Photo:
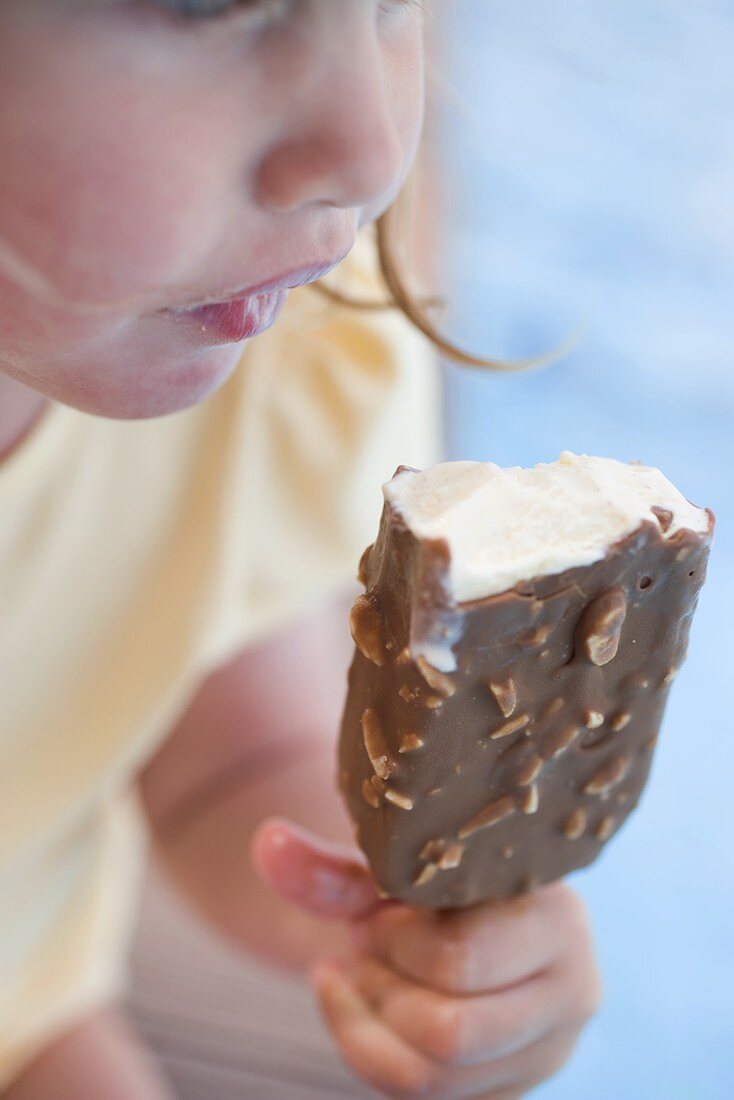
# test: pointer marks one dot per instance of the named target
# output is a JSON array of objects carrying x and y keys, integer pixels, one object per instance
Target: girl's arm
[
  {"x": 259, "y": 738},
  {"x": 98, "y": 1058}
]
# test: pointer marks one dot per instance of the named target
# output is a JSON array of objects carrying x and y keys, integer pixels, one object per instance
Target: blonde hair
[
  {"x": 416, "y": 309},
  {"x": 402, "y": 214}
]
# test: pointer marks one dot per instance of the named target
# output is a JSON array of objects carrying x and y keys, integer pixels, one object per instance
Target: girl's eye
[
  {"x": 212, "y": 7},
  {"x": 221, "y": 7}
]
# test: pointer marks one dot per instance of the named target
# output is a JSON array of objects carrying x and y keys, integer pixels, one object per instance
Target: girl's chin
[
  {"x": 160, "y": 387},
  {"x": 179, "y": 384}
]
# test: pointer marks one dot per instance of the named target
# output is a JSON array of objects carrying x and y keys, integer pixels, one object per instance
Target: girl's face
[{"x": 154, "y": 162}]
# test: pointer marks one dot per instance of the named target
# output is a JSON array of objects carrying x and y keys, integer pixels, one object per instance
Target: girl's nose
[{"x": 342, "y": 146}]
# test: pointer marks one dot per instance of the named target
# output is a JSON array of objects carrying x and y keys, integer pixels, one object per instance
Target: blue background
[{"x": 590, "y": 146}]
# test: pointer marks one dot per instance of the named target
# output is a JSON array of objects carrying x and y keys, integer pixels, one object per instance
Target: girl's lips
[
  {"x": 247, "y": 312},
  {"x": 233, "y": 321}
]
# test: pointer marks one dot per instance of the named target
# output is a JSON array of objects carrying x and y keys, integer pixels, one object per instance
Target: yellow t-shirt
[{"x": 135, "y": 556}]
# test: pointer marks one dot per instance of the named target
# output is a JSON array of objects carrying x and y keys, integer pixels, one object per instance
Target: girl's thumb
[{"x": 321, "y": 877}]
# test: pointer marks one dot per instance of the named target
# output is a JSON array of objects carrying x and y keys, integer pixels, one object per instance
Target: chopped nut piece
[
  {"x": 608, "y": 776},
  {"x": 410, "y": 742},
  {"x": 512, "y": 726},
  {"x": 366, "y": 626},
  {"x": 508, "y": 852},
  {"x": 553, "y": 707},
  {"x": 535, "y": 637},
  {"x": 398, "y": 799},
  {"x": 593, "y": 719},
  {"x": 363, "y": 564},
  {"x": 426, "y": 874},
  {"x": 374, "y": 743},
  {"x": 451, "y": 857},
  {"x": 620, "y": 721},
  {"x": 530, "y": 801},
  {"x": 370, "y": 794},
  {"x": 605, "y": 828},
  {"x": 403, "y": 657},
  {"x": 434, "y": 701},
  {"x": 683, "y": 553},
  {"x": 490, "y": 815},
  {"x": 506, "y": 695},
  {"x": 432, "y": 849},
  {"x": 529, "y": 771},
  {"x": 407, "y": 693},
  {"x": 600, "y": 627},
  {"x": 575, "y": 825},
  {"x": 434, "y": 790},
  {"x": 439, "y": 681},
  {"x": 559, "y": 741},
  {"x": 669, "y": 676},
  {"x": 457, "y": 769},
  {"x": 663, "y": 516}
]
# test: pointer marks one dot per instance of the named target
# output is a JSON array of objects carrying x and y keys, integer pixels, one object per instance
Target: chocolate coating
[{"x": 518, "y": 767}]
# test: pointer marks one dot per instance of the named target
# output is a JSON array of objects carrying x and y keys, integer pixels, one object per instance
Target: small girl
[{"x": 174, "y": 587}]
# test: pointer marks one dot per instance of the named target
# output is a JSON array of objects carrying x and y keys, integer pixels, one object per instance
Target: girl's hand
[{"x": 484, "y": 1002}]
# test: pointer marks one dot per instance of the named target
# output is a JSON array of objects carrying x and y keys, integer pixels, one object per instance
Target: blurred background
[
  {"x": 585, "y": 154},
  {"x": 589, "y": 148}
]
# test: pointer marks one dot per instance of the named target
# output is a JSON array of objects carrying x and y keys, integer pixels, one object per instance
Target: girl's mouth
[
  {"x": 233, "y": 321},
  {"x": 248, "y": 312}
]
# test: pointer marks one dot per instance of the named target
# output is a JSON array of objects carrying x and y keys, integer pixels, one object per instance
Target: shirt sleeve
[{"x": 65, "y": 924}]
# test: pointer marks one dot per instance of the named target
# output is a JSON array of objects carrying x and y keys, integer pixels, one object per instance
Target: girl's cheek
[
  {"x": 113, "y": 218},
  {"x": 109, "y": 186},
  {"x": 34, "y": 331}
]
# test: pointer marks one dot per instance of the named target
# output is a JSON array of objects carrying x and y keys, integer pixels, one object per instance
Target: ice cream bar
[{"x": 514, "y": 650}]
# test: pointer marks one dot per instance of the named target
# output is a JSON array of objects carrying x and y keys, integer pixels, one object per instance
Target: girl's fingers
[
  {"x": 465, "y": 1031},
  {"x": 388, "y": 1063},
  {"x": 381, "y": 1058},
  {"x": 367, "y": 1044},
  {"x": 520, "y": 1071},
  {"x": 461, "y": 1030},
  {"x": 320, "y": 877},
  {"x": 386, "y": 1058},
  {"x": 482, "y": 949},
  {"x": 511, "y": 1076}
]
